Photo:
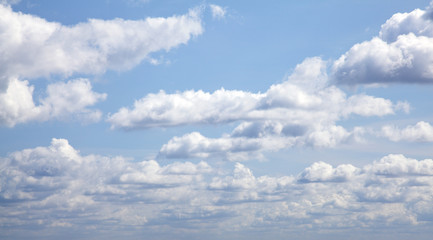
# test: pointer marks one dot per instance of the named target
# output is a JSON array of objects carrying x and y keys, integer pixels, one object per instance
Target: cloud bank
[{"x": 56, "y": 188}]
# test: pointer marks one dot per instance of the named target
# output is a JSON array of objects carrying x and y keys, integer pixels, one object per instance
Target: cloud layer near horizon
[{"x": 60, "y": 188}]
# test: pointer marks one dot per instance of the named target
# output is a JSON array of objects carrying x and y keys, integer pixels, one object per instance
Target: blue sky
[{"x": 218, "y": 120}]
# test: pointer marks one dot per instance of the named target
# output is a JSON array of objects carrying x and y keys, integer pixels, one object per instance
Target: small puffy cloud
[
  {"x": 72, "y": 97},
  {"x": 56, "y": 188},
  {"x": 416, "y": 22},
  {"x": 399, "y": 165},
  {"x": 402, "y": 53},
  {"x": 328, "y": 137},
  {"x": 32, "y": 47},
  {"x": 195, "y": 145},
  {"x": 152, "y": 174},
  {"x": 16, "y": 104},
  {"x": 323, "y": 172},
  {"x": 218, "y": 12},
  {"x": 62, "y": 101},
  {"x": 420, "y": 132},
  {"x": 365, "y": 105}
]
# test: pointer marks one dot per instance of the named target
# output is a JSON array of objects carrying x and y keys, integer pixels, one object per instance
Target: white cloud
[
  {"x": 63, "y": 101},
  {"x": 302, "y": 111},
  {"x": 190, "y": 107},
  {"x": 32, "y": 47},
  {"x": 420, "y": 132},
  {"x": 399, "y": 165},
  {"x": 250, "y": 140},
  {"x": 16, "y": 104},
  {"x": 323, "y": 172},
  {"x": 195, "y": 145},
  {"x": 218, "y": 12},
  {"x": 72, "y": 97},
  {"x": 303, "y": 99},
  {"x": 56, "y": 186},
  {"x": 401, "y": 53}
]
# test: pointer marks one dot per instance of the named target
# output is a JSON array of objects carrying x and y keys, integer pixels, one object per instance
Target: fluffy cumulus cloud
[
  {"x": 89, "y": 47},
  {"x": 190, "y": 107},
  {"x": 302, "y": 111},
  {"x": 403, "y": 53},
  {"x": 57, "y": 189},
  {"x": 31, "y": 47},
  {"x": 69, "y": 100},
  {"x": 420, "y": 132}
]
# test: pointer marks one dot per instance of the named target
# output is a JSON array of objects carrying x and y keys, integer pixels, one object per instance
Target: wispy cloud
[{"x": 218, "y": 12}]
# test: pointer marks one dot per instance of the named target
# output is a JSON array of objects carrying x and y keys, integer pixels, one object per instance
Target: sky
[{"x": 145, "y": 119}]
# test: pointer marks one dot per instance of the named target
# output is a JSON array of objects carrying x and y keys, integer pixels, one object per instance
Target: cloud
[
  {"x": 190, "y": 107},
  {"x": 399, "y": 165},
  {"x": 302, "y": 99},
  {"x": 247, "y": 144},
  {"x": 91, "y": 47},
  {"x": 195, "y": 145},
  {"x": 323, "y": 172},
  {"x": 56, "y": 189},
  {"x": 420, "y": 132},
  {"x": 301, "y": 111},
  {"x": 402, "y": 53},
  {"x": 63, "y": 101},
  {"x": 32, "y": 47},
  {"x": 218, "y": 12}
]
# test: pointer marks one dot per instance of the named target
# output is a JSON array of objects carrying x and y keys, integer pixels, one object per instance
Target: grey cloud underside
[{"x": 54, "y": 187}]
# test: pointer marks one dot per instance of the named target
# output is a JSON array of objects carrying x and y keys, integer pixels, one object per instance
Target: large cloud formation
[
  {"x": 90, "y": 47},
  {"x": 402, "y": 53},
  {"x": 302, "y": 111},
  {"x": 55, "y": 188},
  {"x": 31, "y": 47}
]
